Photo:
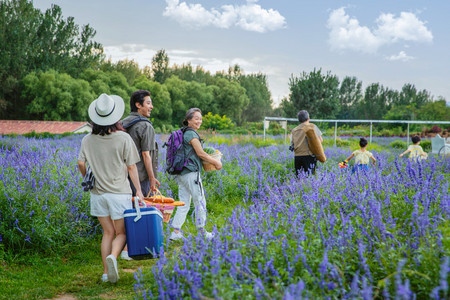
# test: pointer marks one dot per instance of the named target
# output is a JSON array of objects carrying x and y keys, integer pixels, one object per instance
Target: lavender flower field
[{"x": 336, "y": 235}]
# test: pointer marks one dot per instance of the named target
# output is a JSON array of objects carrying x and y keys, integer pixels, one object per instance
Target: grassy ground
[
  {"x": 77, "y": 274},
  {"x": 72, "y": 276}
]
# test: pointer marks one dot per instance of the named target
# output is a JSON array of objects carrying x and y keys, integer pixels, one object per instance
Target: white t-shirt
[{"x": 108, "y": 156}]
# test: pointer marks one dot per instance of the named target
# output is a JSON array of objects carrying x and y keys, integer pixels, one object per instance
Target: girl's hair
[
  {"x": 190, "y": 114},
  {"x": 415, "y": 139},
  {"x": 362, "y": 142},
  {"x": 102, "y": 130}
]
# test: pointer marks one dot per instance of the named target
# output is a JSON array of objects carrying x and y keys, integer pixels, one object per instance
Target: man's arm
[
  {"x": 149, "y": 168},
  {"x": 134, "y": 176}
]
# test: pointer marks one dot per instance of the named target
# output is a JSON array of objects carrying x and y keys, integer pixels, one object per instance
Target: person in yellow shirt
[
  {"x": 362, "y": 157},
  {"x": 415, "y": 151}
]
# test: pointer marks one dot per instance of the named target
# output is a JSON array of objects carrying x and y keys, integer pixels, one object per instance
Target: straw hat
[{"x": 106, "y": 109}]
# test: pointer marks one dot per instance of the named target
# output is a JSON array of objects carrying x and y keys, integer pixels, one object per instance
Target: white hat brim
[{"x": 113, "y": 118}]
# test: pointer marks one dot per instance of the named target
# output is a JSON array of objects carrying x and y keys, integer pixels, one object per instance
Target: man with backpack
[{"x": 142, "y": 132}]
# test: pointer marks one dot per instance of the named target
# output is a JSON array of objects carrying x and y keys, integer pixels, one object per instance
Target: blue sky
[{"x": 385, "y": 41}]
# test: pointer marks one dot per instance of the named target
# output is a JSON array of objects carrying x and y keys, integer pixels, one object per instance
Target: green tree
[
  {"x": 34, "y": 41},
  {"x": 111, "y": 82},
  {"x": 57, "y": 96},
  {"x": 231, "y": 99},
  {"x": 260, "y": 102},
  {"x": 160, "y": 66},
  {"x": 376, "y": 102},
  {"x": 350, "y": 94},
  {"x": 410, "y": 96},
  {"x": 186, "y": 94},
  {"x": 129, "y": 69},
  {"x": 315, "y": 92},
  {"x": 401, "y": 112},
  {"x": 434, "y": 111}
]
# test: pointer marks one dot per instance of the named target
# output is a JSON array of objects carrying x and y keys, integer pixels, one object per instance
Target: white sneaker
[
  {"x": 176, "y": 236},
  {"x": 124, "y": 255},
  {"x": 111, "y": 262},
  {"x": 105, "y": 278}
]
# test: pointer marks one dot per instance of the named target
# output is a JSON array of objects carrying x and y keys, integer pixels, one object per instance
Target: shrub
[
  {"x": 216, "y": 122},
  {"x": 435, "y": 129},
  {"x": 398, "y": 144},
  {"x": 426, "y": 145}
]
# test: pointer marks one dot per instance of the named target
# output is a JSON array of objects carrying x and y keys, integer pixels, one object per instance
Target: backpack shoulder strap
[{"x": 134, "y": 121}]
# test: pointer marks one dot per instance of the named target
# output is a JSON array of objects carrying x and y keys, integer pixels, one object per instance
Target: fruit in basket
[{"x": 209, "y": 150}]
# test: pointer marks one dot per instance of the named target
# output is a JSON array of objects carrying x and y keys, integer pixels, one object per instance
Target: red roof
[{"x": 21, "y": 127}]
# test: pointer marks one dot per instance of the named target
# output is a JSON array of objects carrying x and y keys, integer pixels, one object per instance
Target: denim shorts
[{"x": 109, "y": 204}]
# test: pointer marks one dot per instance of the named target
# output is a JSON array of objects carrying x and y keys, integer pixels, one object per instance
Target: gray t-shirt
[
  {"x": 143, "y": 135},
  {"x": 194, "y": 164},
  {"x": 108, "y": 156}
]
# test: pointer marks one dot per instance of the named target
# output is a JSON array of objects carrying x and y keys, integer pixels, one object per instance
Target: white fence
[{"x": 284, "y": 121}]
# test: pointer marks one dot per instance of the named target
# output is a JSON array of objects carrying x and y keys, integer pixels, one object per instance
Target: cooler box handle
[{"x": 138, "y": 209}]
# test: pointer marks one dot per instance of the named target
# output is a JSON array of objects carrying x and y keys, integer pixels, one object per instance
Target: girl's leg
[
  {"x": 185, "y": 196},
  {"x": 107, "y": 239},
  {"x": 119, "y": 242}
]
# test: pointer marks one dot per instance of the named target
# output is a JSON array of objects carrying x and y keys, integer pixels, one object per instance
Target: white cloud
[
  {"x": 137, "y": 52},
  {"x": 250, "y": 16},
  {"x": 407, "y": 27},
  {"x": 143, "y": 55},
  {"x": 402, "y": 56},
  {"x": 347, "y": 33}
]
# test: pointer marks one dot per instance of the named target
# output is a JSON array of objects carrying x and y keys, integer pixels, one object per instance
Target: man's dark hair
[
  {"x": 105, "y": 130},
  {"x": 138, "y": 97},
  {"x": 303, "y": 116},
  {"x": 362, "y": 142},
  {"x": 415, "y": 139}
]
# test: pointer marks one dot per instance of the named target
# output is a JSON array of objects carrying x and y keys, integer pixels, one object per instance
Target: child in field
[
  {"x": 415, "y": 151},
  {"x": 362, "y": 157}
]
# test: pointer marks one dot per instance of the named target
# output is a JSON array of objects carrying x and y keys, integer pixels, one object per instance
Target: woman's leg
[
  {"x": 107, "y": 239},
  {"x": 185, "y": 196},
  {"x": 198, "y": 197}
]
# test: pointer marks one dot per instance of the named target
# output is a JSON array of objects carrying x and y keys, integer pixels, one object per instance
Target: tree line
[
  {"x": 51, "y": 69},
  {"x": 325, "y": 97}
]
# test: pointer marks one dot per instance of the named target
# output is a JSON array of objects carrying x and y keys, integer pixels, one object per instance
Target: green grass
[{"x": 76, "y": 274}]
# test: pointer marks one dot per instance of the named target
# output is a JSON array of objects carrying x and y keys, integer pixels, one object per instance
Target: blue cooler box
[{"x": 144, "y": 229}]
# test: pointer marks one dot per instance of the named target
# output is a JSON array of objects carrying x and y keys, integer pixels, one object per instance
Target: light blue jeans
[{"x": 190, "y": 187}]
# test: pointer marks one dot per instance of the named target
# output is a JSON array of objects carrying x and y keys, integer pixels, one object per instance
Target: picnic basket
[
  {"x": 160, "y": 202},
  {"x": 210, "y": 167}
]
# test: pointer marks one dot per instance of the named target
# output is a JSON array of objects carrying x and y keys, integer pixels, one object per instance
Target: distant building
[{"x": 56, "y": 127}]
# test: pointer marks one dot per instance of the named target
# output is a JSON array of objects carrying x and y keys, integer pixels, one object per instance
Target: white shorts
[{"x": 109, "y": 204}]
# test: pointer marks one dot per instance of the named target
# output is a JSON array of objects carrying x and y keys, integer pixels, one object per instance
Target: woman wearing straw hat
[
  {"x": 112, "y": 156},
  {"x": 189, "y": 181}
]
